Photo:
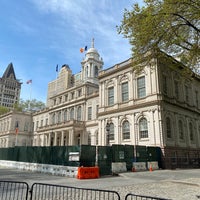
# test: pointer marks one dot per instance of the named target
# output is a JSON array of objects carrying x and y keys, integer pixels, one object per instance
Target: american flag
[{"x": 29, "y": 81}]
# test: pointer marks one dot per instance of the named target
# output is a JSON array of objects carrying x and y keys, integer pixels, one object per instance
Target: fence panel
[
  {"x": 141, "y": 197},
  {"x": 40, "y": 191},
  {"x": 11, "y": 190}
]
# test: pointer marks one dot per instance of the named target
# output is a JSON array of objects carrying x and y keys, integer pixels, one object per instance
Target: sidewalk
[{"x": 171, "y": 184}]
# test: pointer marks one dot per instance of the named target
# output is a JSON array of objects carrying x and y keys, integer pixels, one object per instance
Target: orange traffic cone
[
  {"x": 133, "y": 169},
  {"x": 150, "y": 168}
]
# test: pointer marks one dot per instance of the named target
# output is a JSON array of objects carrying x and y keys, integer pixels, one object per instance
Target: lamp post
[{"x": 107, "y": 133}]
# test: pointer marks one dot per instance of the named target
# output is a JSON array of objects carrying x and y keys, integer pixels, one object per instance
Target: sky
[{"x": 38, "y": 35}]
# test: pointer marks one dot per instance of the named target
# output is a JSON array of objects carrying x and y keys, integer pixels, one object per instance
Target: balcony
[{"x": 59, "y": 125}]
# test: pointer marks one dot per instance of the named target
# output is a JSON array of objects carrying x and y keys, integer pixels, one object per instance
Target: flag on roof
[
  {"x": 29, "y": 81},
  {"x": 57, "y": 68},
  {"x": 82, "y": 49}
]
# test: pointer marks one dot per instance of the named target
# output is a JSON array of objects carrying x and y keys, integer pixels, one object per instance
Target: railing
[
  {"x": 10, "y": 190},
  {"x": 141, "y": 197},
  {"x": 40, "y": 191}
]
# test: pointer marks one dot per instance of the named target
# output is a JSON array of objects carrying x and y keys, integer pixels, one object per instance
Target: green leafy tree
[
  {"x": 33, "y": 105},
  {"x": 3, "y": 110},
  {"x": 172, "y": 26}
]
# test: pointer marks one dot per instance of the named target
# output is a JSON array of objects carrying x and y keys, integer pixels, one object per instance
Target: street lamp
[{"x": 107, "y": 130}]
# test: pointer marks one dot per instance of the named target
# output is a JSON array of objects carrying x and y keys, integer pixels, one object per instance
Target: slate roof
[{"x": 9, "y": 71}]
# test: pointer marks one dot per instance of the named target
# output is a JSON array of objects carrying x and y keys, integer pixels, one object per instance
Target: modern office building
[{"x": 10, "y": 88}]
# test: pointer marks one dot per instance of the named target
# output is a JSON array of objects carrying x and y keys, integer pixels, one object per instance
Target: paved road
[{"x": 172, "y": 184}]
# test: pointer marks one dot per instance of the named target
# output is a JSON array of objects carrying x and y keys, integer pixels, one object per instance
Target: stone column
[
  {"x": 49, "y": 139},
  {"x": 55, "y": 139},
  {"x": 71, "y": 137},
  {"x": 62, "y": 138}
]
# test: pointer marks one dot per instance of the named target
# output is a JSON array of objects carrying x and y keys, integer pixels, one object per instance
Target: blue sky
[{"x": 36, "y": 35}]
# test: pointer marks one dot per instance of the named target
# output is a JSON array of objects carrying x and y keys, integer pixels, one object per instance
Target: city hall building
[{"x": 156, "y": 107}]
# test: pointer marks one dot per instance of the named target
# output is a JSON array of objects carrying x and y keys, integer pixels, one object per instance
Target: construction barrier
[
  {"x": 139, "y": 166},
  {"x": 118, "y": 167},
  {"x": 88, "y": 172},
  {"x": 152, "y": 165}
]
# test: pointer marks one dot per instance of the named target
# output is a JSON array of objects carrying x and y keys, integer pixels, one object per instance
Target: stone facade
[
  {"x": 15, "y": 129},
  {"x": 72, "y": 106},
  {"x": 158, "y": 106}
]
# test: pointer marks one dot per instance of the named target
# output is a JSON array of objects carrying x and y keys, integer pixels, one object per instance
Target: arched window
[
  {"x": 65, "y": 115},
  {"x": 143, "y": 128},
  {"x": 168, "y": 128},
  {"x": 125, "y": 130},
  {"x": 72, "y": 113},
  {"x": 180, "y": 129},
  {"x": 111, "y": 132},
  {"x": 79, "y": 113},
  {"x": 191, "y": 132}
]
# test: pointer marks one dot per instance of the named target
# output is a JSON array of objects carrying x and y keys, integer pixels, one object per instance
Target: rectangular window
[
  {"x": 46, "y": 122},
  {"x": 176, "y": 89},
  {"x": 89, "y": 113},
  {"x": 186, "y": 94},
  {"x": 79, "y": 93},
  {"x": 111, "y": 96},
  {"x": 141, "y": 89},
  {"x": 41, "y": 123},
  {"x": 164, "y": 84},
  {"x": 197, "y": 99},
  {"x": 124, "y": 91},
  {"x": 72, "y": 95}
]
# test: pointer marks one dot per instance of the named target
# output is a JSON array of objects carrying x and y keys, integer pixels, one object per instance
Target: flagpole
[
  {"x": 30, "y": 96},
  {"x": 56, "y": 79}
]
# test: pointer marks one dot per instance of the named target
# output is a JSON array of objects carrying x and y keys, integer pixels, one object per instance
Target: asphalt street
[{"x": 173, "y": 184}]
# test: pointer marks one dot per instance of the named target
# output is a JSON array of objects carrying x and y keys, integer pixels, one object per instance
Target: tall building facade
[{"x": 10, "y": 88}]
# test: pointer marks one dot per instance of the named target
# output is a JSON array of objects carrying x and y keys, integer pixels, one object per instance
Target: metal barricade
[
  {"x": 40, "y": 191},
  {"x": 12, "y": 190},
  {"x": 141, "y": 197}
]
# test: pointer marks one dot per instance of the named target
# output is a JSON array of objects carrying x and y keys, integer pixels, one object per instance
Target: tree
[
  {"x": 172, "y": 26},
  {"x": 3, "y": 110},
  {"x": 33, "y": 105}
]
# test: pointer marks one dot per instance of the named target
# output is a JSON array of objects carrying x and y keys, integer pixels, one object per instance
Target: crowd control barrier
[
  {"x": 12, "y": 190},
  {"x": 142, "y": 197},
  {"x": 88, "y": 172}
]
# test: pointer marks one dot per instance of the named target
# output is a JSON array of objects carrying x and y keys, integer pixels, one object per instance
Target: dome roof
[{"x": 92, "y": 49}]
